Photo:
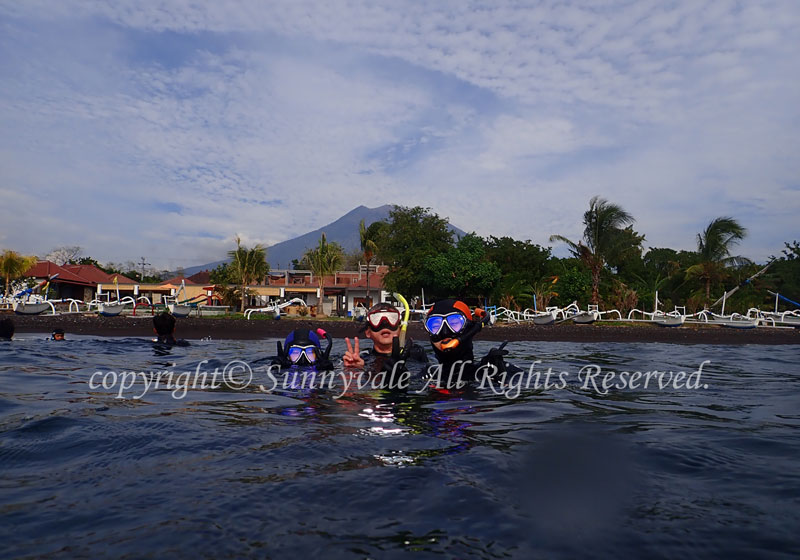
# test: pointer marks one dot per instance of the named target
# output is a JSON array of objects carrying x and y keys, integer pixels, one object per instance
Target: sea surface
[{"x": 228, "y": 470}]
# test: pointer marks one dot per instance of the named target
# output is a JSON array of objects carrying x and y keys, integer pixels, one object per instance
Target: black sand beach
[{"x": 234, "y": 328}]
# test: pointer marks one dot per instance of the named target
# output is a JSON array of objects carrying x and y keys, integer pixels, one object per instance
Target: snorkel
[
  {"x": 404, "y": 324},
  {"x": 327, "y": 352}
]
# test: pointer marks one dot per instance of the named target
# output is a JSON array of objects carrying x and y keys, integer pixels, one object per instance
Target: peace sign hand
[{"x": 352, "y": 358}]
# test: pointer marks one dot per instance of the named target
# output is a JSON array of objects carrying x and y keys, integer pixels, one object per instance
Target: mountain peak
[{"x": 343, "y": 230}]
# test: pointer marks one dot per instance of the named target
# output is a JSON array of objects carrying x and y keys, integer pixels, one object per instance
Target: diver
[
  {"x": 164, "y": 327},
  {"x": 382, "y": 324},
  {"x": 451, "y": 326},
  {"x": 6, "y": 329},
  {"x": 303, "y": 348},
  {"x": 58, "y": 334}
]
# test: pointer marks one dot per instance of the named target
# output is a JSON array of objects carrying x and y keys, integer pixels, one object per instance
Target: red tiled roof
[
  {"x": 202, "y": 277},
  {"x": 97, "y": 276},
  {"x": 45, "y": 269}
]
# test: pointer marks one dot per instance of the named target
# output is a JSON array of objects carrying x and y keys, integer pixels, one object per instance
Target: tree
[
  {"x": 89, "y": 261},
  {"x": 14, "y": 265},
  {"x": 324, "y": 260},
  {"x": 462, "y": 271},
  {"x": 369, "y": 247},
  {"x": 785, "y": 276},
  {"x": 68, "y": 254},
  {"x": 603, "y": 238},
  {"x": 713, "y": 248},
  {"x": 248, "y": 266},
  {"x": 411, "y": 236},
  {"x": 523, "y": 265},
  {"x": 222, "y": 274}
]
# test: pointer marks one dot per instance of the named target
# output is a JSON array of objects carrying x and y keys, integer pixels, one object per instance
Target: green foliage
[
  {"x": 518, "y": 258},
  {"x": 604, "y": 239},
  {"x": 352, "y": 259},
  {"x": 462, "y": 271},
  {"x": 369, "y": 237},
  {"x": 89, "y": 261},
  {"x": 324, "y": 260},
  {"x": 524, "y": 269},
  {"x": 248, "y": 266},
  {"x": 575, "y": 284},
  {"x": 409, "y": 238},
  {"x": 222, "y": 274},
  {"x": 784, "y": 279},
  {"x": 713, "y": 247},
  {"x": 13, "y": 265}
]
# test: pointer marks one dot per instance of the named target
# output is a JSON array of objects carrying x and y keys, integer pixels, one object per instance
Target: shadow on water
[{"x": 558, "y": 472}]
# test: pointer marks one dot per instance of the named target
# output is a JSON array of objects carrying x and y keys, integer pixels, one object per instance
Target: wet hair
[
  {"x": 6, "y": 329},
  {"x": 164, "y": 323},
  {"x": 58, "y": 332}
]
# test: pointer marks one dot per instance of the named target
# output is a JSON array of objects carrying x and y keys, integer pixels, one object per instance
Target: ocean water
[{"x": 224, "y": 469}]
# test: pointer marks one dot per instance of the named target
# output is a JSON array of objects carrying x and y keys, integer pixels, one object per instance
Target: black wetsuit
[
  {"x": 170, "y": 341},
  {"x": 413, "y": 357}
]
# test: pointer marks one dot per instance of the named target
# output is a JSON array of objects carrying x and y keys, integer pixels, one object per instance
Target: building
[
  {"x": 81, "y": 282},
  {"x": 344, "y": 291}
]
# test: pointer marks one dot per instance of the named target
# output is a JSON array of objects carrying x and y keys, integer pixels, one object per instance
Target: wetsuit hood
[{"x": 454, "y": 345}]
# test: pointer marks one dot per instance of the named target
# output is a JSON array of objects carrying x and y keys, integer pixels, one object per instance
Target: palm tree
[
  {"x": 248, "y": 266},
  {"x": 323, "y": 260},
  {"x": 369, "y": 247},
  {"x": 602, "y": 236},
  {"x": 713, "y": 247},
  {"x": 13, "y": 266}
]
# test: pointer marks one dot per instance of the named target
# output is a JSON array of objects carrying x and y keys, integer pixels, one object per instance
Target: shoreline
[{"x": 194, "y": 328}]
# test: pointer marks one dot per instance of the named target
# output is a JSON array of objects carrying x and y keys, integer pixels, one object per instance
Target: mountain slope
[{"x": 343, "y": 231}]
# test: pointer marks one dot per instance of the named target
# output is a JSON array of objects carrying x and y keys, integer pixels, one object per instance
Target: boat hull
[
  {"x": 547, "y": 319},
  {"x": 670, "y": 321},
  {"x": 24, "y": 308},
  {"x": 180, "y": 310},
  {"x": 110, "y": 310},
  {"x": 738, "y": 324},
  {"x": 584, "y": 318}
]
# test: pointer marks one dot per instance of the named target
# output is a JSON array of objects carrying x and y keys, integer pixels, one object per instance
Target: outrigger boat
[
  {"x": 545, "y": 317},
  {"x": 183, "y": 307},
  {"x": 38, "y": 305},
  {"x": 586, "y": 317},
  {"x": 31, "y": 307}
]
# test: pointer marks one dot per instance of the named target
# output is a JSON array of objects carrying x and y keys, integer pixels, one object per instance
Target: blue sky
[{"x": 164, "y": 129}]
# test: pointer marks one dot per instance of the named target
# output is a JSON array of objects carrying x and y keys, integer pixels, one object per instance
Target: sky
[{"x": 164, "y": 129}]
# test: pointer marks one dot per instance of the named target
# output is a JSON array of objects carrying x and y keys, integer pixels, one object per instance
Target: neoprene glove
[{"x": 495, "y": 357}]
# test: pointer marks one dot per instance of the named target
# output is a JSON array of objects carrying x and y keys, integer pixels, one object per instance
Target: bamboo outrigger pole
[{"x": 729, "y": 293}]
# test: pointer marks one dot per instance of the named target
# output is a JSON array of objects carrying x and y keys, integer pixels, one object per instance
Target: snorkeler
[
  {"x": 6, "y": 329},
  {"x": 164, "y": 327},
  {"x": 382, "y": 327},
  {"x": 451, "y": 326},
  {"x": 302, "y": 348}
]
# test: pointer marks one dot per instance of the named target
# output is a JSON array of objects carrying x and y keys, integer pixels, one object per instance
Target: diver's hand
[
  {"x": 352, "y": 358},
  {"x": 496, "y": 356}
]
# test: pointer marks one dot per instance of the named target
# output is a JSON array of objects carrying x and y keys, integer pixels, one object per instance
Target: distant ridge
[{"x": 343, "y": 231}]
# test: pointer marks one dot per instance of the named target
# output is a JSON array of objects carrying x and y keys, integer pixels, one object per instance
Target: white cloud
[{"x": 273, "y": 119}]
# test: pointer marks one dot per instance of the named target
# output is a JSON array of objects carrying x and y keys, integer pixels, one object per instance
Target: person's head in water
[
  {"x": 6, "y": 329},
  {"x": 302, "y": 347},
  {"x": 382, "y": 325},
  {"x": 451, "y": 325},
  {"x": 164, "y": 326},
  {"x": 58, "y": 334}
]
